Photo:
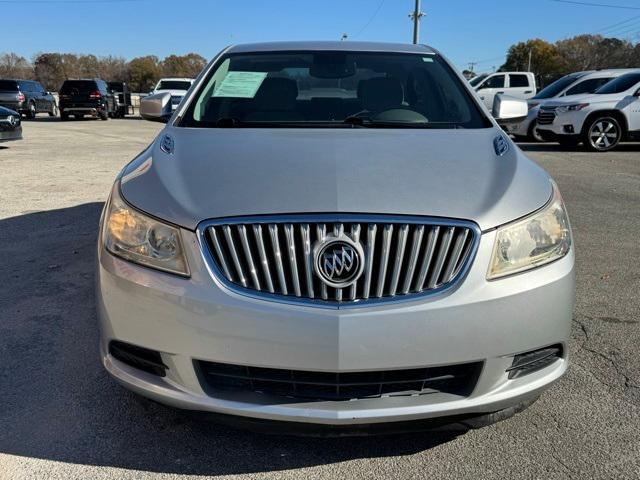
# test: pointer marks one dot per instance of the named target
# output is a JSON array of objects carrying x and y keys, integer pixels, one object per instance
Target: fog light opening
[
  {"x": 529, "y": 362},
  {"x": 141, "y": 358}
]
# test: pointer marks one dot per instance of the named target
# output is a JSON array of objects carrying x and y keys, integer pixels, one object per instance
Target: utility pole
[
  {"x": 416, "y": 16},
  {"x": 472, "y": 66},
  {"x": 529, "y": 67}
]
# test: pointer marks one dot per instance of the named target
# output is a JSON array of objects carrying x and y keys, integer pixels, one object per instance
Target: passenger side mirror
[
  {"x": 156, "y": 108},
  {"x": 508, "y": 110}
]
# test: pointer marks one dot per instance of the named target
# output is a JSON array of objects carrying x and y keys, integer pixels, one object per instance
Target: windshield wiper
[{"x": 364, "y": 121}]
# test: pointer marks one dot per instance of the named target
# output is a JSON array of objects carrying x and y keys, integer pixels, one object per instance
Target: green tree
[
  {"x": 144, "y": 72},
  {"x": 188, "y": 65},
  {"x": 546, "y": 61}
]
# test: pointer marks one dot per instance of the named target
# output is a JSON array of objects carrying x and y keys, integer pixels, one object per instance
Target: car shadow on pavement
[{"x": 57, "y": 402}]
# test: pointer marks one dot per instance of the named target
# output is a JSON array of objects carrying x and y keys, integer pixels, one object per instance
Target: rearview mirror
[
  {"x": 156, "y": 108},
  {"x": 508, "y": 110}
]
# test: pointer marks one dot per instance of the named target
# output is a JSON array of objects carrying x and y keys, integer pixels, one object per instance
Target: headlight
[
  {"x": 536, "y": 240},
  {"x": 134, "y": 236},
  {"x": 571, "y": 108}
]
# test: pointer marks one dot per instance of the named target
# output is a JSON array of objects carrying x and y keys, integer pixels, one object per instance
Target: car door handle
[
  {"x": 497, "y": 93},
  {"x": 528, "y": 91}
]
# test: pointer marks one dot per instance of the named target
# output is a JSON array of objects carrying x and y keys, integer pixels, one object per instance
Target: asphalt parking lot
[{"x": 62, "y": 417}]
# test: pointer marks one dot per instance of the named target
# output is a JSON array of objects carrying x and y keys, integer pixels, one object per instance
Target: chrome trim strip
[
  {"x": 273, "y": 230},
  {"x": 305, "y": 232},
  {"x": 291, "y": 252},
  {"x": 433, "y": 222},
  {"x": 432, "y": 238},
  {"x": 387, "y": 234},
  {"x": 413, "y": 258},
  {"x": 442, "y": 255},
  {"x": 218, "y": 248},
  {"x": 397, "y": 263},
  {"x": 242, "y": 230},
  {"x": 321, "y": 230},
  {"x": 257, "y": 233},
  {"x": 234, "y": 254},
  {"x": 355, "y": 236},
  {"x": 455, "y": 256},
  {"x": 371, "y": 247}
]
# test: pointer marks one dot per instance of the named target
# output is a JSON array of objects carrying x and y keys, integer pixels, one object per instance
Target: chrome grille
[
  {"x": 546, "y": 115},
  {"x": 403, "y": 256}
]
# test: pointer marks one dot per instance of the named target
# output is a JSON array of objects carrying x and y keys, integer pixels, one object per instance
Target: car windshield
[
  {"x": 620, "y": 84},
  {"x": 8, "y": 85},
  {"x": 320, "y": 89},
  {"x": 558, "y": 86},
  {"x": 78, "y": 86},
  {"x": 173, "y": 85},
  {"x": 475, "y": 81}
]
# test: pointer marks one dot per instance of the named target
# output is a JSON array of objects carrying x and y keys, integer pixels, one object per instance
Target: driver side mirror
[
  {"x": 508, "y": 110},
  {"x": 156, "y": 108}
]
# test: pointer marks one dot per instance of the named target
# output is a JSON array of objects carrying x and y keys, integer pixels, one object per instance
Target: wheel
[
  {"x": 31, "y": 113},
  {"x": 533, "y": 133},
  {"x": 104, "y": 114},
  {"x": 569, "y": 142},
  {"x": 54, "y": 110},
  {"x": 78, "y": 116},
  {"x": 602, "y": 134}
]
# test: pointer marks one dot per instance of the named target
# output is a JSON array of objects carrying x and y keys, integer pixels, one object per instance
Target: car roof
[{"x": 347, "y": 46}]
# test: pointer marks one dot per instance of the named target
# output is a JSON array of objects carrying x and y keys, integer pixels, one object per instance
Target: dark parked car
[
  {"x": 86, "y": 97},
  {"x": 27, "y": 97},
  {"x": 122, "y": 95},
  {"x": 10, "y": 128}
]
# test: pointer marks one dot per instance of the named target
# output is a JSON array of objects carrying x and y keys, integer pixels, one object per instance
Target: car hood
[
  {"x": 6, "y": 112},
  {"x": 175, "y": 93},
  {"x": 214, "y": 173},
  {"x": 586, "y": 98}
]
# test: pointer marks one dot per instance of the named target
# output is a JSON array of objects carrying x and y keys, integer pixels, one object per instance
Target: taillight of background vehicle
[
  {"x": 21, "y": 97},
  {"x": 95, "y": 94}
]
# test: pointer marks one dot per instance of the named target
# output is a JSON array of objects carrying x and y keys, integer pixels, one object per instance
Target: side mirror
[
  {"x": 156, "y": 108},
  {"x": 508, "y": 110}
]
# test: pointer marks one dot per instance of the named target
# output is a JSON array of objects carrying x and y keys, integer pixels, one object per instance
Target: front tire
[
  {"x": 533, "y": 134},
  {"x": 104, "y": 114},
  {"x": 54, "y": 110},
  {"x": 602, "y": 134},
  {"x": 31, "y": 112}
]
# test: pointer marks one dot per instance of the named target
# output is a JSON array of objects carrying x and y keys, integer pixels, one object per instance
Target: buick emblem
[{"x": 338, "y": 261}]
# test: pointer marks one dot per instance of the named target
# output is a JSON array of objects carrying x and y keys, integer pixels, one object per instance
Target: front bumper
[
  {"x": 199, "y": 319},
  {"x": 564, "y": 124},
  {"x": 13, "y": 134},
  {"x": 522, "y": 129}
]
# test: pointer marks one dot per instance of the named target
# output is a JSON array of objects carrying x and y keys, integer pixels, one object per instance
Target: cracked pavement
[{"x": 61, "y": 417}]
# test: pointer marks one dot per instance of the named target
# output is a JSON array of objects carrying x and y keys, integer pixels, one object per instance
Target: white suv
[
  {"x": 514, "y": 84},
  {"x": 578, "y": 83},
  {"x": 600, "y": 121}
]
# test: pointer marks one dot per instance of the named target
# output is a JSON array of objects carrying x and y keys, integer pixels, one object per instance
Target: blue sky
[{"x": 464, "y": 30}]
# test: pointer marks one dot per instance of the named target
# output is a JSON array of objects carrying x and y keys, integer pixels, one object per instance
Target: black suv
[
  {"x": 27, "y": 97},
  {"x": 86, "y": 97}
]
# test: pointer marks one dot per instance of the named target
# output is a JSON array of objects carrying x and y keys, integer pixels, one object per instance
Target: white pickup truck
[{"x": 514, "y": 84}]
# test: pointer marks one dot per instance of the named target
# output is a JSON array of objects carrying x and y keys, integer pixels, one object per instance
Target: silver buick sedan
[{"x": 335, "y": 235}]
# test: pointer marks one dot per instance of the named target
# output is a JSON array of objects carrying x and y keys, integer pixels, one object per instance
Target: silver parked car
[{"x": 335, "y": 233}]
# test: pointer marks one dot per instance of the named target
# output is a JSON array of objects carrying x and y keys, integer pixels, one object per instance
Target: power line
[
  {"x": 375, "y": 14},
  {"x": 610, "y": 27},
  {"x": 589, "y": 4}
]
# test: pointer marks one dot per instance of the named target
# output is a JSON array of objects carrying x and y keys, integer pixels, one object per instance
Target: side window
[
  {"x": 588, "y": 86},
  {"x": 496, "y": 81},
  {"x": 102, "y": 86},
  {"x": 518, "y": 81}
]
